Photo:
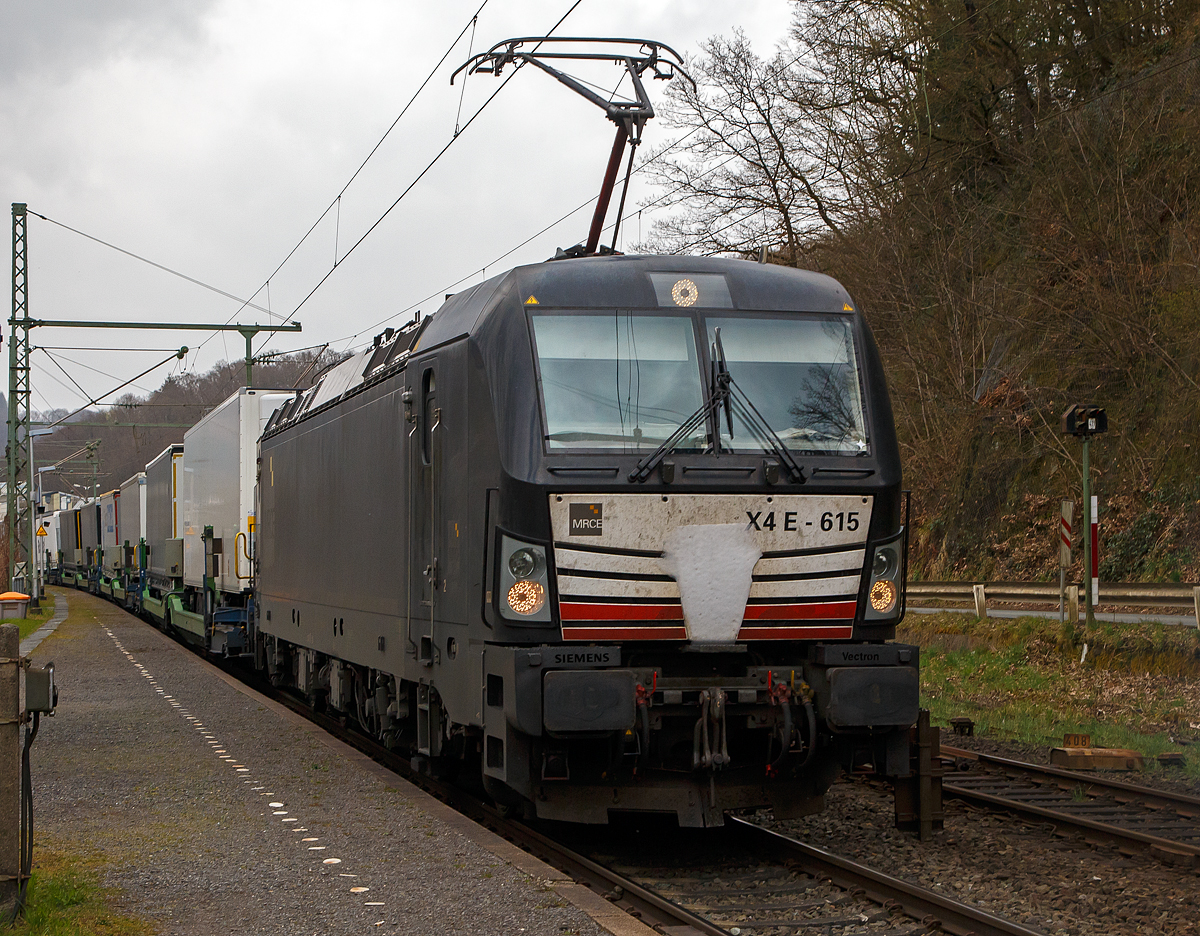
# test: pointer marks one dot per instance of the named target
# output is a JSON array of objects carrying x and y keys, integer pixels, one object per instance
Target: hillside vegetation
[{"x": 1011, "y": 189}]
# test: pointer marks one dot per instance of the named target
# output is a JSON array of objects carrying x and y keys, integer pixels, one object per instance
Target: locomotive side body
[
  {"x": 490, "y": 542},
  {"x": 353, "y": 505}
]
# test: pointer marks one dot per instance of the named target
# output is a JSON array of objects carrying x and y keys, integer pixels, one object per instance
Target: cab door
[{"x": 425, "y": 464}]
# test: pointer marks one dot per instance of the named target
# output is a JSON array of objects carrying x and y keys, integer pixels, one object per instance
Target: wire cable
[
  {"x": 114, "y": 390},
  {"x": 89, "y": 348},
  {"x": 512, "y": 74},
  {"x": 165, "y": 269},
  {"x": 97, "y": 370},
  {"x": 538, "y": 234},
  {"x": 54, "y": 360},
  {"x": 337, "y": 198}
]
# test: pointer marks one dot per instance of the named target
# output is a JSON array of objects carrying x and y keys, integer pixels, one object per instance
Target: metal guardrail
[{"x": 1139, "y": 596}]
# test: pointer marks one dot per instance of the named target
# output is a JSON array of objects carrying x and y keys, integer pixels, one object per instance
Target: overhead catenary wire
[
  {"x": 54, "y": 360},
  {"x": 654, "y": 157},
  {"x": 354, "y": 175},
  {"x": 66, "y": 387},
  {"x": 419, "y": 176},
  {"x": 122, "y": 386},
  {"x": 175, "y": 353},
  {"x": 153, "y": 263},
  {"x": 553, "y": 224},
  {"x": 90, "y": 348},
  {"x": 471, "y": 25}
]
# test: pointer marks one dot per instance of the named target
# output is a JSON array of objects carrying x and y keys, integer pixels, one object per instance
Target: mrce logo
[{"x": 587, "y": 519}]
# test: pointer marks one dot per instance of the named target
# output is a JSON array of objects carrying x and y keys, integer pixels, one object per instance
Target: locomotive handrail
[{"x": 237, "y": 555}]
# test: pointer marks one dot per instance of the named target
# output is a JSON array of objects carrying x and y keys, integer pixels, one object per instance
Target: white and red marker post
[
  {"x": 1064, "y": 553},
  {"x": 1085, "y": 421}
]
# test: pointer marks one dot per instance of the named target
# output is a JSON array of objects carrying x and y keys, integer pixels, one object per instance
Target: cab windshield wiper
[
  {"x": 723, "y": 394},
  {"x": 647, "y": 465}
]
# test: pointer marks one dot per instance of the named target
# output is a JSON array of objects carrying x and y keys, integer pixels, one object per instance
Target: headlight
[
  {"x": 883, "y": 596},
  {"x": 526, "y": 597},
  {"x": 524, "y": 563},
  {"x": 523, "y": 581},
  {"x": 884, "y": 593}
]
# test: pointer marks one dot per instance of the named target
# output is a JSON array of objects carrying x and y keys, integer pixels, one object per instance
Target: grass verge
[
  {"x": 1027, "y": 680},
  {"x": 36, "y": 619},
  {"x": 65, "y": 900}
]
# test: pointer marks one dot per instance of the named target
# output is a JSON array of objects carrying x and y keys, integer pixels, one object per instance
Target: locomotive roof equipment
[{"x": 630, "y": 116}]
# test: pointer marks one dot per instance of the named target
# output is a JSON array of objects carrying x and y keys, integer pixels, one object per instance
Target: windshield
[
  {"x": 617, "y": 381},
  {"x": 801, "y": 376}
]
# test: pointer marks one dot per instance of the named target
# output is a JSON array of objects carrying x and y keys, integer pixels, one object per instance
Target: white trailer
[
  {"x": 216, "y": 488},
  {"x": 48, "y": 545},
  {"x": 110, "y": 533},
  {"x": 133, "y": 516}
]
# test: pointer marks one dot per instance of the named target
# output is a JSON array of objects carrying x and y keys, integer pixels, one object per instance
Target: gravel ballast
[
  {"x": 212, "y": 813},
  {"x": 1011, "y": 868}
]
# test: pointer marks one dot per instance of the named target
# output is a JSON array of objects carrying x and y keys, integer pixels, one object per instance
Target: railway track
[
  {"x": 743, "y": 881},
  {"x": 1105, "y": 812},
  {"x": 750, "y": 880}
]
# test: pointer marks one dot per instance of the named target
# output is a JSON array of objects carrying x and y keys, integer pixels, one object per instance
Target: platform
[{"x": 212, "y": 809}]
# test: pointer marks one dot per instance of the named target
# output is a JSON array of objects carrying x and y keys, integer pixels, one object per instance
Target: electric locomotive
[{"x": 618, "y": 533}]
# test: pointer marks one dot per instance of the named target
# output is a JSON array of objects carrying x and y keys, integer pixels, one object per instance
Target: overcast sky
[{"x": 209, "y": 135}]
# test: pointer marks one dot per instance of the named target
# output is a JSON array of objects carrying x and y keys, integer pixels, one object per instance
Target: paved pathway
[{"x": 29, "y": 644}]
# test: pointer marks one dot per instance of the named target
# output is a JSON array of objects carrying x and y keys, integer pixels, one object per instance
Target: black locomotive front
[{"x": 638, "y": 524}]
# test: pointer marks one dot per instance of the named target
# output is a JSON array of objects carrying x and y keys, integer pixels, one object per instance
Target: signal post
[{"x": 1085, "y": 421}]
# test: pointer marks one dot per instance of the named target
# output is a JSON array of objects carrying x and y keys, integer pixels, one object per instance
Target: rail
[
  {"x": 643, "y": 901},
  {"x": 1140, "y": 596},
  {"x": 920, "y": 903},
  {"x": 1103, "y": 810}
]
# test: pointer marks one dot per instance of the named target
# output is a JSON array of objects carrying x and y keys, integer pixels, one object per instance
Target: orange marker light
[{"x": 526, "y": 597}]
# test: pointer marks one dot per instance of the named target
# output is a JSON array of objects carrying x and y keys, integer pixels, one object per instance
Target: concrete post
[
  {"x": 1073, "y": 604},
  {"x": 1196, "y": 603},
  {"x": 10, "y": 768}
]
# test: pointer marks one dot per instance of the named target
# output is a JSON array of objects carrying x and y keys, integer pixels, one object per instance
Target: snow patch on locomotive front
[{"x": 713, "y": 564}]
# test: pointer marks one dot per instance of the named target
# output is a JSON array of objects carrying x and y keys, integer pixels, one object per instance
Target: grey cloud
[{"x": 64, "y": 36}]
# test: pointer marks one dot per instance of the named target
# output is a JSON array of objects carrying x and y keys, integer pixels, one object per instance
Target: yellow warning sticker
[
  {"x": 532, "y": 300},
  {"x": 846, "y": 307},
  {"x": 42, "y": 531}
]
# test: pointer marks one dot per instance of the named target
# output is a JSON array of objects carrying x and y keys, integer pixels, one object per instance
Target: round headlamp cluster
[
  {"x": 524, "y": 563},
  {"x": 524, "y": 584},
  {"x": 883, "y": 596},
  {"x": 527, "y": 597}
]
